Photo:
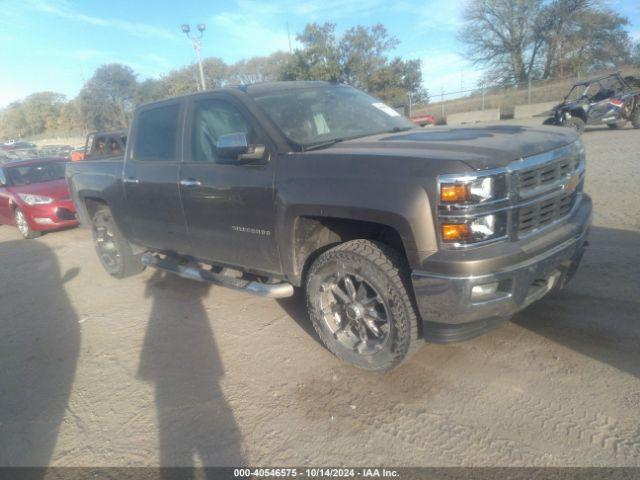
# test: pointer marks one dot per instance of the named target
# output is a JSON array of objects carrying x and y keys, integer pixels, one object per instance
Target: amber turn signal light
[
  {"x": 456, "y": 232},
  {"x": 455, "y": 193}
]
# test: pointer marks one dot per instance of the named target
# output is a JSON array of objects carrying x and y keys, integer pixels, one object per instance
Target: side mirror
[
  {"x": 232, "y": 145},
  {"x": 235, "y": 147}
]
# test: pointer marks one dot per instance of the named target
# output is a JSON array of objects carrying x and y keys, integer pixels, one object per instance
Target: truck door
[
  {"x": 229, "y": 206},
  {"x": 150, "y": 178}
]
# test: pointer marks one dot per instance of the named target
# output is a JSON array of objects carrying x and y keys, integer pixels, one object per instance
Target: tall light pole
[{"x": 197, "y": 45}]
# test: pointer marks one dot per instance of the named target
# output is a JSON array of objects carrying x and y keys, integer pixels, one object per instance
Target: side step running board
[{"x": 271, "y": 290}]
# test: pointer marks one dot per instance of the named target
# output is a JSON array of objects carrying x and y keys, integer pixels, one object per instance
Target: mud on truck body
[{"x": 394, "y": 233}]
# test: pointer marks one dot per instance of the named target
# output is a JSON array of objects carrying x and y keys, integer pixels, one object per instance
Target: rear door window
[{"x": 157, "y": 133}]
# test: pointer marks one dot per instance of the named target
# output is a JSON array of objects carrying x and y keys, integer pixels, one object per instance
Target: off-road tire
[
  {"x": 635, "y": 117},
  {"x": 126, "y": 263},
  {"x": 387, "y": 271},
  {"x": 26, "y": 231},
  {"x": 576, "y": 123}
]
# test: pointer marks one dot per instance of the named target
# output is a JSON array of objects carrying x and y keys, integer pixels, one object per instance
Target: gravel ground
[{"x": 159, "y": 370}]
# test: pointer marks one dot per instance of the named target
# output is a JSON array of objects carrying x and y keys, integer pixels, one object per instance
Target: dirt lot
[{"x": 155, "y": 369}]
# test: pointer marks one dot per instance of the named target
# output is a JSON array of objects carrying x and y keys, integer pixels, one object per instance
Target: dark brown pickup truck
[{"x": 395, "y": 233}]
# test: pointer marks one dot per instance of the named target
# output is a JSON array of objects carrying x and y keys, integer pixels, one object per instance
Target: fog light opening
[{"x": 484, "y": 291}]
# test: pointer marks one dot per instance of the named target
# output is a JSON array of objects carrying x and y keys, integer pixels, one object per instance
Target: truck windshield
[
  {"x": 36, "y": 173},
  {"x": 322, "y": 115}
]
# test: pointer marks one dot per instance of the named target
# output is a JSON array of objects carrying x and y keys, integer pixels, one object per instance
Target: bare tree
[
  {"x": 501, "y": 35},
  {"x": 554, "y": 21},
  {"x": 517, "y": 40}
]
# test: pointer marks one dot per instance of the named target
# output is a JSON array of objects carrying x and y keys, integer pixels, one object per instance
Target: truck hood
[{"x": 482, "y": 148}]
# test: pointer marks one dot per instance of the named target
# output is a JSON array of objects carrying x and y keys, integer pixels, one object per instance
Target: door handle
[
  {"x": 190, "y": 182},
  {"x": 130, "y": 180}
]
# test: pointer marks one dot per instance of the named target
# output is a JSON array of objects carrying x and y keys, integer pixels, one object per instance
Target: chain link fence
[{"x": 503, "y": 98}]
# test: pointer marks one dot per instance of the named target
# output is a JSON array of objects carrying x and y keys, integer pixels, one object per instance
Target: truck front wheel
[
  {"x": 359, "y": 303},
  {"x": 114, "y": 251}
]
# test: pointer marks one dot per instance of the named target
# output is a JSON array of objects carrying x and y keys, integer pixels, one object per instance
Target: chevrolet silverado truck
[{"x": 396, "y": 234}]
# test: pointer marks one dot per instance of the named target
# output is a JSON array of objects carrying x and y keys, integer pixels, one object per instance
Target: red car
[
  {"x": 424, "y": 120},
  {"x": 34, "y": 196}
]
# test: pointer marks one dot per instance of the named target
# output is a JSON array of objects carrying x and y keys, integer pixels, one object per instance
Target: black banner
[{"x": 413, "y": 473}]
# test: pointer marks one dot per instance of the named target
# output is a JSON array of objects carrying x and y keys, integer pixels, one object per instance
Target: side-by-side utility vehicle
[
  {"x": 608, "y": 100},
  {"x": 395, "y": 233}
]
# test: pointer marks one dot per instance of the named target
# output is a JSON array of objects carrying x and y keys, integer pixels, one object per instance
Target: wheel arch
[
  {"x": 579, "y": 113},
  {"x": 92, "y": 204},
  {"x": 313, "y": 235}
]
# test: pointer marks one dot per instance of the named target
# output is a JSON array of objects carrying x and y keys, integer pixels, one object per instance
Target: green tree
[
  {"x": 70, "y": 119},
  {"x": 41, "y": 111},
  {"x": 393, "y": 82},
  {"x": 360, "y": 58},
  {"x": 363, "y": 51},
  {"x": 186, "y": 79},
  {"x": 319, "y": 58},
  {"x": 258, "y": 69},
  {"x": 151, "y": 90},
  {"x": 108, "y": 98},
  {"x": 13, "y": 123}
]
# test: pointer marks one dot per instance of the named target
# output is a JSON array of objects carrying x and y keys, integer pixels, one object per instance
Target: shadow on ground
[
  {"x": 296, "y": 308},
  {"x": 598, "y": 313},
  {"x": 180, "y": 358},
  {"x": 39, "y": 348}
]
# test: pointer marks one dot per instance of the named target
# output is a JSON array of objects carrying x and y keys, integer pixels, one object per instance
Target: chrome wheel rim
[
  {"x": 21, "y": 223},
  {"x": 355, "y": 313},
  {"x": 106, "y": 246}
]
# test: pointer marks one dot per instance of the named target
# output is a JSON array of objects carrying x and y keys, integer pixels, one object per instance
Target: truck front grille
[
  {"x": 545, "y": 175},
  {"x": 540, "y": 214}
]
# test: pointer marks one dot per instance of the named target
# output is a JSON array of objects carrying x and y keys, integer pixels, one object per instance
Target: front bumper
[
  {"x": 450, "y": 310},
  {"x": 58, "y": 214}
]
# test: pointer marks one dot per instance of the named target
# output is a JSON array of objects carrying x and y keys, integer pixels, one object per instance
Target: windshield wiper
[{"x": 317, "y": 146}]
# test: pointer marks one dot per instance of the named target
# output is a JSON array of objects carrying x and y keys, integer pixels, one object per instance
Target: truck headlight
[
  {"x": 31, "y": 199},
  {"x": 478, "y": 229},
  {"x": 472, "y": 190}
]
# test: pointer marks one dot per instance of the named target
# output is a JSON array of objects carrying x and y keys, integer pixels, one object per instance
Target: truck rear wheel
[
  {"x": 359, "y": 303},
  {"x": 114, "y": 251}
]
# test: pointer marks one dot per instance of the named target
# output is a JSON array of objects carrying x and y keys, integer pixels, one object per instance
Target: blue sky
[{"x": 52, "y": 44}]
